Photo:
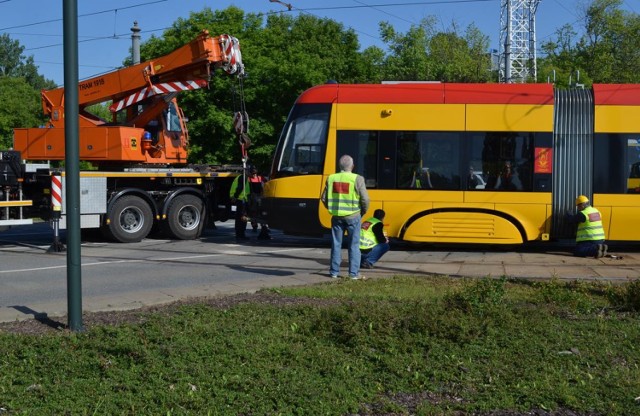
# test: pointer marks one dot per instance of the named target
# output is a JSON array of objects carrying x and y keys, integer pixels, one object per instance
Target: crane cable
[{"x": 241, "y": 118}]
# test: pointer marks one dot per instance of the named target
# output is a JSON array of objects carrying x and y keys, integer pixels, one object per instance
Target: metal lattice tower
[{"x": 517, "y": 58}]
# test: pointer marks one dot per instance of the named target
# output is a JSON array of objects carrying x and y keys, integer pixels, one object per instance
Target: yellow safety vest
[
  {"x": 367, "y": 236},
  {"x": 243, "y": 196},
  {"x": 342, "y": 199},
  {"x": 591, "y": 229}
]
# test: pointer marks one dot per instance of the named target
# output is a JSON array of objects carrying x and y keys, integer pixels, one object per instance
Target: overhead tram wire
[
  {"x": 629, "y": 6},
  {"x": 92, "y": 39},
  {"x": 320, "y": 17},
  {"x": 124, "y": 36},
  {"x": 307, "y": 10},
  {"x": 414, "y": 3},
  {"x": 375, "y": 6},
  {"x": 383, "y": 12},
  {"x": 83, "y": 15}
]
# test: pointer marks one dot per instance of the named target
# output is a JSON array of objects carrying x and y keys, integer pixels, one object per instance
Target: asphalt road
[
  {"x": 123, "y": 276},
  {"x": 118, "y": 276}
]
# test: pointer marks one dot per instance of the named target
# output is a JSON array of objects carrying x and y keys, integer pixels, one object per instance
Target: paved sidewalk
[{"x": 529, "y": 265}]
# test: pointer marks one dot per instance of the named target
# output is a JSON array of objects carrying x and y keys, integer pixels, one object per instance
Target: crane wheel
[
  {"x": 130, "y": 220},
  {"x": 185, "y": 217}
]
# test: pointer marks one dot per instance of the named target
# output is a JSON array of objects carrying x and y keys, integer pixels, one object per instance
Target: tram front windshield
[{"x": 303, "y": 142}]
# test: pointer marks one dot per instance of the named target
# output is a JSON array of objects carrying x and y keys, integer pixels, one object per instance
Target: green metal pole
[{"x": 72, "y": 164}]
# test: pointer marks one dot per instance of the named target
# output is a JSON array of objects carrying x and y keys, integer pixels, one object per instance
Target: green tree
[
  {"x": 561, "y": 57},
  {"x": 461, "y": 58},
  {"x": 423, "y": 54},
  {"x": 607, "y": 52},
  {"x": 14, "y": 64},
  {"x": 21, "y": 108},
  {"x": 371, "y": 66},
  {"x": 20, "y": 86},
  {"x": 408, "y": 59}
]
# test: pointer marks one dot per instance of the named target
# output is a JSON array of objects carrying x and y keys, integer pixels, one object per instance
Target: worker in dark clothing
[
  {"x": 239, "y": 194},
  {"x": 508, "y": 179},
  {"x": 256, "y": 186},
  {"x": 373, "y": 243},
  {"x": 422, "y": 179},
  {"x": 590, "y": 233}
]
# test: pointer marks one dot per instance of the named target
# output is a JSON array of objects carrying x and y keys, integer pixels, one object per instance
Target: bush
[
  {"x": 477, "y": 295},
  {"x": 574, "y": 296},
  {"x": 626, "y": 297}
]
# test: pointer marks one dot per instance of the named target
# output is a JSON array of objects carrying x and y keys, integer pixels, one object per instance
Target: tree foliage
[
  {"x": 21, "y": 108},
  {"x": 20, "y": 85},
  {"x": 607, "y": 51},
  {"x": 14, "y": 64},
  {"x": 423, "y": 54}
]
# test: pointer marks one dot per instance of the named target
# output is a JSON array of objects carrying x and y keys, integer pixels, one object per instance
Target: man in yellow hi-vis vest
[
  {"x": 590, "y": 233},
  {"x": 345, "y": 196}
]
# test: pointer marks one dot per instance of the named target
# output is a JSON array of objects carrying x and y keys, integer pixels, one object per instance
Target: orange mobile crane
[{"x": 143, "y": 178}]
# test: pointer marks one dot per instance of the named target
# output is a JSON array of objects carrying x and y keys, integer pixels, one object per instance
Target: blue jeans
[
  {"x": 338, "y": 227},
  {"x": 587, "y": 248},
  {"x": 373, "y": 255}
]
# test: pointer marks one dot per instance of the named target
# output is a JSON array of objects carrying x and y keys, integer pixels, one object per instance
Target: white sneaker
[{"x": 358, "y": 277}]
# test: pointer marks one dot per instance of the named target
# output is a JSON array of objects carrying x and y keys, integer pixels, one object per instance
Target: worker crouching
[{"x": 590, "y": 240}]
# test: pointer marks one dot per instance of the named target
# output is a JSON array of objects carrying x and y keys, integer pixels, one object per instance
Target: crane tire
[
  {"x": 130, "y": 220},
  {"x": 185, "y": 217}
]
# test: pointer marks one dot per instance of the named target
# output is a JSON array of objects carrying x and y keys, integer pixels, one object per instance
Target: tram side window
[
  {"x": 428, "y": 160},
  {"x": 408, "y": 157},
  {"x": 610, "y": 176},
  {"x": 633, "y": 163},
  {"x": 362, "y": 146},
  {"x": 504, "y": 160}
]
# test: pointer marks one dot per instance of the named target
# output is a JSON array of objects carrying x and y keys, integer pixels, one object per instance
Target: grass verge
[{"x": 403, "y": 345}]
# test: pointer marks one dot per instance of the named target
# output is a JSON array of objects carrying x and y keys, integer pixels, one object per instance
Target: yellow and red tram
[{"x": 463, "y": 163}]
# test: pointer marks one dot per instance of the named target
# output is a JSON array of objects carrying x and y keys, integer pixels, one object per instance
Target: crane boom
[{"x": 154, "y": 131}]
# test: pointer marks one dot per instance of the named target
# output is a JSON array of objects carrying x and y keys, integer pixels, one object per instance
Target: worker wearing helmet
[
  {"x": 590, "y": 233},
  {"x": 373, "y": 243},
  {"x": 256, "y": 186}
]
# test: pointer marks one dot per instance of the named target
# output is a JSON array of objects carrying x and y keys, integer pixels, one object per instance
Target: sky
[{"x": 105, "y": 37}]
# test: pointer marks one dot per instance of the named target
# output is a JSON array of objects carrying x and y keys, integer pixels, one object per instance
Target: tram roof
[
  {"x": 616, "y": 94},
  {"x": 430, "y": 93}
]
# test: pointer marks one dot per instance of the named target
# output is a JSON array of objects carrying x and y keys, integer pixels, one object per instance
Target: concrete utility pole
[
  {"x": 518, "y": 41},
  {"x": 135, "y": 43}
]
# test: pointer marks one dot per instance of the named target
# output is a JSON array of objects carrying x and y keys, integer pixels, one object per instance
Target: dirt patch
[{"x": 43, "y": 324}]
